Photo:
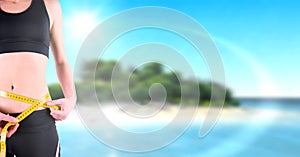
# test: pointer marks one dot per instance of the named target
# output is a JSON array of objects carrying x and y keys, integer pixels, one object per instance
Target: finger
[
  {"x": 8, "y": 118},
  {"x": 56, "y": 108},
  {"x": 58, "y": 115},
  {"x": 12, "y": 130},
  {"x": 54, "y": 102}
]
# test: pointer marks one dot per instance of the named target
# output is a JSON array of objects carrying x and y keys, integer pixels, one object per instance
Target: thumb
[
  {"x": 8, "y": 118},
  {"x": 54, "y": 102}
]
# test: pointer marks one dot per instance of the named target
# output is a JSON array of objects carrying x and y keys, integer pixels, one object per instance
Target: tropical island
[{"x": 140, "y": 81}]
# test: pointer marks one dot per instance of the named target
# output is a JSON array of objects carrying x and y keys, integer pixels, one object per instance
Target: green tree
[
  {"x": 143, "y": 78},
  {"x": 105, "y": 70},
  {"x": 55, "y": 91},
  {"x": 149, "y": 70}
]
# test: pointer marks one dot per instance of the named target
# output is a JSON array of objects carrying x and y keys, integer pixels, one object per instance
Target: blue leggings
[{"x": 35, "y": 137}]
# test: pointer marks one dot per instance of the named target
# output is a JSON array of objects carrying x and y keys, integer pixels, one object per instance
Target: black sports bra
[{"x": 27, "y": 31}]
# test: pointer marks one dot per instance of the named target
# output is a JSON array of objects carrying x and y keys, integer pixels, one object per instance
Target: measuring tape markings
[{"x": 35, "y": 105}]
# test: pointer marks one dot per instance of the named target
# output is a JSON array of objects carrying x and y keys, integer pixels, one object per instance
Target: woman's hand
[
  {"x": 66, "y": 105},
  {"x": 5, "y": 119}
]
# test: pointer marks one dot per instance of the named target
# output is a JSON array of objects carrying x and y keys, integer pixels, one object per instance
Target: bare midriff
[{"x": 22, "y": 73}]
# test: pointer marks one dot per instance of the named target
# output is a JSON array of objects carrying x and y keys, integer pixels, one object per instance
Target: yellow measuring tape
[{"x": 35, "y": 105}]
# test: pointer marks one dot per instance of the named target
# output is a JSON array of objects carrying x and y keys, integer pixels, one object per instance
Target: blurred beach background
[
  {"x": 258, "y": 128},
  {"x": 258, "y": 43}
]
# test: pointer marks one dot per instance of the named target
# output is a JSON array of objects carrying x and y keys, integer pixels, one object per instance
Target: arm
[{"x": 63, "y": 70}]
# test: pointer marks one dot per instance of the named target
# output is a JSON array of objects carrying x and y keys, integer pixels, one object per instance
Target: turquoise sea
[{"x": 261, "y": 135}]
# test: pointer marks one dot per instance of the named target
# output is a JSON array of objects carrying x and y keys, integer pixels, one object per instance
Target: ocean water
[{"x": 273, "y": 129}]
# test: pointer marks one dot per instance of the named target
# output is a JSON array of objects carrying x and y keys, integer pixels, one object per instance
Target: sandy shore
[{"x": 170, "y": 113}]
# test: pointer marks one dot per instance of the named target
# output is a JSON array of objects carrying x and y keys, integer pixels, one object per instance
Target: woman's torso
[{"x": 22, "y": 73}]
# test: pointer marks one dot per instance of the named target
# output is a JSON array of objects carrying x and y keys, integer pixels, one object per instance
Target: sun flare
[{"x": 80, "y": 24}]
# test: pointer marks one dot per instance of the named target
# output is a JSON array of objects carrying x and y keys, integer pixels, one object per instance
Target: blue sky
[{"x": 258, "y": 40}]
